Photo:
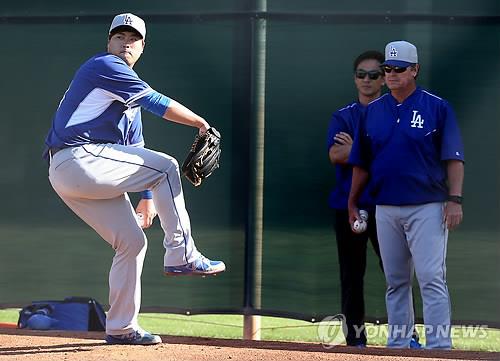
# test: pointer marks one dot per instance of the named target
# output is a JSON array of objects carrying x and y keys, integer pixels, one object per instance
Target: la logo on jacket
[{"x": 417, "y": 121}]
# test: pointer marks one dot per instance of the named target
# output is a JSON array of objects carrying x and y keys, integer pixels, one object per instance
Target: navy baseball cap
[
  {"x": 129, "y": 20},
  {"x": 400, "y": 53}
]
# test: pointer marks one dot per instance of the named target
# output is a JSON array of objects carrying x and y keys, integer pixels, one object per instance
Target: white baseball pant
[
  {"x": 93, "y": 180},
  {"x": 414, "y": 239}
]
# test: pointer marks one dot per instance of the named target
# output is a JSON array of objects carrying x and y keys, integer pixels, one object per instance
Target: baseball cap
[
  {"x": 130, "y": 20},
  {"x": 400, "y": 53}
]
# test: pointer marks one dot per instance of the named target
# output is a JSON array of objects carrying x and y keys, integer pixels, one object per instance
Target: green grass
[{"x": 279, "y": 329}]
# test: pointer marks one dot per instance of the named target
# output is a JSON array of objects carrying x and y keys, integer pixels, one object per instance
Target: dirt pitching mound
[{"x": 89, "y": 346}]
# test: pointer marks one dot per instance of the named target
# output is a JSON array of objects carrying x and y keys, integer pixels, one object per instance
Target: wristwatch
[{"x": 456, "y": 199}]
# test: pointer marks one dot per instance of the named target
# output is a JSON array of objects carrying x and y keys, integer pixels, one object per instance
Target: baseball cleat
[
  {"x": 414, "y": 344},
  {"x": 134, "y": 338},
  {"x": 202, "y": 266}
]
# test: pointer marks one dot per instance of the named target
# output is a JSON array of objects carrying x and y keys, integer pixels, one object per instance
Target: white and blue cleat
[
  {"x": 134, "y": 338},
  {"x": 202, "y": 266}
]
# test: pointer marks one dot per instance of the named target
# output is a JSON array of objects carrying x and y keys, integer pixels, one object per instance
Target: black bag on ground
[{"x": 72, "y": 313}]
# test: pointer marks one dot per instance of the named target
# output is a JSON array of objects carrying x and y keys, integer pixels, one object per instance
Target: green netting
[
  {"x": 48, "y": 253},
  {"x": 309, "y": 77}
]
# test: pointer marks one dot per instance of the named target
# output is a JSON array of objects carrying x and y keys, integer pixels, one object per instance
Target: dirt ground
[{"x": 89, "y": 346}]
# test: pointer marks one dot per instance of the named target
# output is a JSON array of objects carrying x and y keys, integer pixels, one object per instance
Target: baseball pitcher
[{"x": 95, "y": 148}]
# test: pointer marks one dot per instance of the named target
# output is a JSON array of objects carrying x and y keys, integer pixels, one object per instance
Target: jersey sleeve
[
  {"x": 360, "y": 150},
  {"x": 116, "y": 77},
  {"x": 337, "y": 125},
  {"x": 451, "y": 144},
  {"x": 155, "y": 103}
]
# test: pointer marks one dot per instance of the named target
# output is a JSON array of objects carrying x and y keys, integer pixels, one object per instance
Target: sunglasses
[
  {"x": 372, "y": 74},
  {"x": 397, "y": 69}
]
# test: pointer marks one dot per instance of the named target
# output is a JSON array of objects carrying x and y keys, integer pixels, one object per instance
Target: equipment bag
[{"x": 73, "y": 313}]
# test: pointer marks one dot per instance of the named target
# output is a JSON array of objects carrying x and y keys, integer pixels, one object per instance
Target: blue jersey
[
  {"x": 102, "y": 105},
  {"x": 345, "y": 120},
  {"x": 405, "y": 148}
]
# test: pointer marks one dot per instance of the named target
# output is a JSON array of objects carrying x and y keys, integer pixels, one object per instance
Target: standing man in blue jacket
[
  {"x": 409, "y": 146},
  {"x": 352, "y": 247}
]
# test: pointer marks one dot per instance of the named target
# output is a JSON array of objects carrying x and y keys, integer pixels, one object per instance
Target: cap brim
[
  {"x": 125, "y": 28},
  {"x": 400, "y": 63}
]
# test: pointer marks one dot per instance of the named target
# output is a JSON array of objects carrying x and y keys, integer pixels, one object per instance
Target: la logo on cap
[
  {"x": 127, "y": 20},
  {"x": 393, "y": 52}
]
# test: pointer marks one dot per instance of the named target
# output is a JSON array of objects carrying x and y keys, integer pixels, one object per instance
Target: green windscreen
[{"x": 202, "y": 57}]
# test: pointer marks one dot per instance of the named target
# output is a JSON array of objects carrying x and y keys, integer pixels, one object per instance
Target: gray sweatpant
[
  {"x": 413, "y": 239},
  {"x": 93, "y": 180}
]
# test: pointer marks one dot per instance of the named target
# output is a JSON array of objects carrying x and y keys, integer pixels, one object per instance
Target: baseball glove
[{"x": 203, "y": 158}]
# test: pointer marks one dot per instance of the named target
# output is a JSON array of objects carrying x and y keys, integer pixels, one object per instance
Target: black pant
[{"x": 352, "y": 260}]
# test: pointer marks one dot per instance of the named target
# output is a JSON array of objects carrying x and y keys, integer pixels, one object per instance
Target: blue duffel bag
[{"x": 72, "y": 313}]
